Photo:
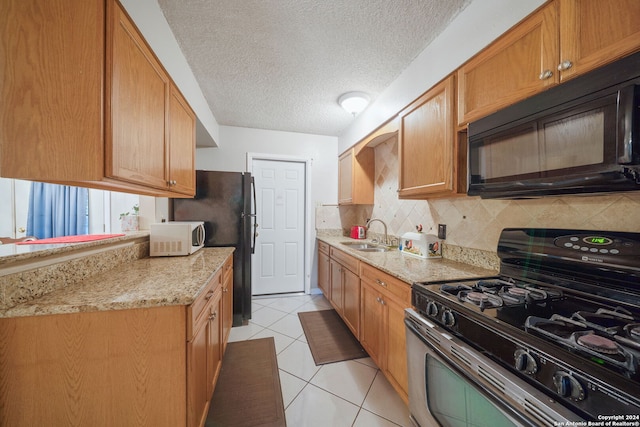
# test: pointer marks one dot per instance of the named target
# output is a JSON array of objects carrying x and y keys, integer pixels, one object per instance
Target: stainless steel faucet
[{"x": 386, "y": 236}]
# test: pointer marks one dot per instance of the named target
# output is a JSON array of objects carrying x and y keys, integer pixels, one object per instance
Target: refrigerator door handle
[{"x": 254, "y": 215}]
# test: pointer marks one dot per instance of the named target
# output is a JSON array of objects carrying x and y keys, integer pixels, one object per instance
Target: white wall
[{"x": 477, "y": 26}]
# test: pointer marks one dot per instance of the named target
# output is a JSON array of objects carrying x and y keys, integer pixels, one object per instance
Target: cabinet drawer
[
  {"x": 346, "y": 260},
  {"x": 323, "y": 247},
  {"x": 386, "y": 283},
  {"x": 198, "y": 308}
]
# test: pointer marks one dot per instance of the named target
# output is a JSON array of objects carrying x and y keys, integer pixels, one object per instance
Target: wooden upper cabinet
[
  {"x": 561, "y": 40},
  {"x": 86, "y": 102},
  {"x": 182, "y": 142},
  {"x": 355, "y": 177},
  {"x": 427, "y": 144},
  {"x": 519, "y": 64},
  {"x": 594, "y": 33},
  {"x": 137, "y": 114},
  {"x": 51, "y": 73}
]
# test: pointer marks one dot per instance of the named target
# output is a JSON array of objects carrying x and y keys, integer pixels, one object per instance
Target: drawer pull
[
  {"x": 225, "y": 289},
  {"x": 565, "y": 65},
  {"x": 213, "y": 316},
  {"x": 546, "y": 74},
  {"x": 381, "y": 283},
  {"x": 209, "y": 295}
]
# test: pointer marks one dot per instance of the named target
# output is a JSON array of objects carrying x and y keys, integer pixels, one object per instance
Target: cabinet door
[
  {"x": 396, "y": 354},
  {"x": 197, "y": 383},
  {"x": 519, "y": 64},
  {"x": 345, "y": 178},
  {"x": 227, "y": 301},
  {"x": 351, "y": 300},
  {"x": 137, "y": 97},
  {"x": 371, "y": 332},
  {"x": 214, "y": 343},
  {"x": 182, "y": 141},
  {"x": 51, "y": 83},
  {"x": 355, "y": 177},
  {"x": 324, "y": 274},
  {"x": 427, "y": 142},
  {"x": 594, "y": 33},
  {"x": 335, "y": 295}
]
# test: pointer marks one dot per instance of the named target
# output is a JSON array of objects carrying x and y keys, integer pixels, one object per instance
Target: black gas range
[{"x": 563, "y": 315}]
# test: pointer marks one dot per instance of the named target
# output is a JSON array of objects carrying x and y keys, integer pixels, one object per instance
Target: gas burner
[
  {"x": 454, "y": 289},
  {"x": 517, "y": 292},
  {"x": 634, "y": 331},
  {"x": 609, "y": 321},
  {"x": 481, "y": 299},
  {"x": 577, "y": 336},
  {"x": 524, "y": 295},
  {"x": 598, "y": 343}
]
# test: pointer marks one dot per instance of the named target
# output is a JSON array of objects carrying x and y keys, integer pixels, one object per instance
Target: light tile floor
[{"x": 351, "y": 394}]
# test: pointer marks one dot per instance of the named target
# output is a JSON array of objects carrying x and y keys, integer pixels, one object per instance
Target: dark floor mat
[
  {"x": 248, "y": 392},
  {"x": 329, "y": 338}
]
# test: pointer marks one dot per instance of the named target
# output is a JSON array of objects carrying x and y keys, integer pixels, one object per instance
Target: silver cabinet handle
[
  {"x": 546, "y": 74},
  {"x": 381, "y": 283},
  {"x": 565, "y": 65}
]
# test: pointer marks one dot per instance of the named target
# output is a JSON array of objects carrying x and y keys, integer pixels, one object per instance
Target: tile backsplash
[{"x": 471, "y": 221}]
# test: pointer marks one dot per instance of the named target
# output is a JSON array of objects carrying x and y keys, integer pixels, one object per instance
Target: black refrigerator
[{"x": 225, "y": 201}]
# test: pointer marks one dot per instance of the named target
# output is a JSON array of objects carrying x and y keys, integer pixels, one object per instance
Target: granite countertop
[
  {"x": 146, "y": 282},
  {"x": 12, "y": 254},
  {"x": 409, "y": 268}
]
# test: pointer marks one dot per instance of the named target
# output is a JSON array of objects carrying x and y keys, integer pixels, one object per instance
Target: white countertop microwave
[{"x": 176, "y": 238}]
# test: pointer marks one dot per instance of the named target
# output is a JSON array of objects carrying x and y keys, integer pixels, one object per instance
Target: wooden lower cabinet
[
  {"x": 335, "y": 294},
  {"x": 345, "y": 288},
  {"x": 351, "y": 301},
  {"x": 227, "y": 300},
  {"x": 324, "y": 269},
  {"x": 382, "y": 331},
  {"x": 135, "y": 367},
  {"x": 103, "y": 368},
  {"x": 372, "y": 304}
]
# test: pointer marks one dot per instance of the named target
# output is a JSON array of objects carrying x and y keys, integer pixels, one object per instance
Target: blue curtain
[{"x": 57, "y": 210}]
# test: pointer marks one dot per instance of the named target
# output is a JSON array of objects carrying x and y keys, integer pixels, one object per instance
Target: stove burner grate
[{"x": 579, "y": 337}]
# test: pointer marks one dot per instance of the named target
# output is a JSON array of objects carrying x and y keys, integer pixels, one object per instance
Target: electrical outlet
[{"x": 442, "y": 231}]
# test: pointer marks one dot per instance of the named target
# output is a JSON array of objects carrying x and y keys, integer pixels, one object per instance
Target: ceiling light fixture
[{"x": 354, "y": 102}]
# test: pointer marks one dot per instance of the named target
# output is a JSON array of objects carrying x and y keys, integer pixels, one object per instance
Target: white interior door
[{"x": 278, "y": 263}]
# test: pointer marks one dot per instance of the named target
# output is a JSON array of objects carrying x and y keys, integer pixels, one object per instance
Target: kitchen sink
[
  {"x": 374, "y": 249},
  {"x": 365, "y": 247}
]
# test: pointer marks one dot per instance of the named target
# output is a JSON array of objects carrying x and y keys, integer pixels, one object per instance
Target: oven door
[{"x": 450, "y": 384}]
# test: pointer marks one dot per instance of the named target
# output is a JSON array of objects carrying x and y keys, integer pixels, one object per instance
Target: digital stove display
[{"x": 598, "y": 240}]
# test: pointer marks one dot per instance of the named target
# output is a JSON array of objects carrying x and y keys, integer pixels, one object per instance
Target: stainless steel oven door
[{"x": 451, "y": 385}]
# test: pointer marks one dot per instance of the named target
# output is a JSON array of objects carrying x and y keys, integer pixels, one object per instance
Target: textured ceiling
[{"x": 282, "y": 64}]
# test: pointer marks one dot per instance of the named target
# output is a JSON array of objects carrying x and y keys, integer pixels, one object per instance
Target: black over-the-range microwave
[{"x": 579, "y": 137}]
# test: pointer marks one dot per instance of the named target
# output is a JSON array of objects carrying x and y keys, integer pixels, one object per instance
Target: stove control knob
[
  {"x": 432, "y": 309},
  {"x": 448, "y": 318},
  {"x": 525, "y": 362},
  {"x": 568, "y": 386}
]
